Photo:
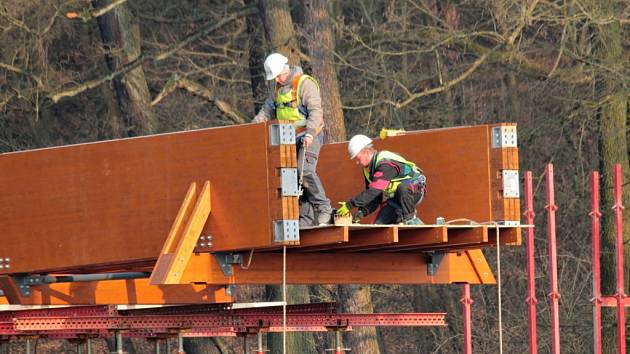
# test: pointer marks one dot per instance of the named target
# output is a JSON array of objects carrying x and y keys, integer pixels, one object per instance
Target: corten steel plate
[
  {"x": 456, "y": 161},
  {"x": 113, "y": 202},
  {"x": 110, "y": 205}
]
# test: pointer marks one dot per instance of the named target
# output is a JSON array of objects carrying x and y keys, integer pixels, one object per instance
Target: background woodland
[{"x": 75, "y": 71}]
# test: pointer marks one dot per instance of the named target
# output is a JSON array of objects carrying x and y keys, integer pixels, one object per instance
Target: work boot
[
  {"x": 324, "y": 215},
  {"x": 413, "y": 221}
]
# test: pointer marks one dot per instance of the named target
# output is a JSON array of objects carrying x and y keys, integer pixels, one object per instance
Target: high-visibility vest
[
  {"x": 409, "y": 173},
  {"x": 288, "y": 105}
]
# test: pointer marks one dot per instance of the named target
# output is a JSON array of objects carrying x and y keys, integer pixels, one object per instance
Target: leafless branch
[{"x": 73, "y": 91}]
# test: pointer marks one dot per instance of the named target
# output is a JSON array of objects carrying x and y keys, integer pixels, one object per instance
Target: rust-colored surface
[
  {"x": 455, "y": 161},
  {"x": 110, "y": 206},
  {"x": 114, "y": 201},
  {"x": 183, "y": 236},
  {"x": 122, "y": 292},
  {"x": 330, "y": 268}
]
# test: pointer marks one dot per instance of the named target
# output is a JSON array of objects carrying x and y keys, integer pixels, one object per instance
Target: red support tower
[
  {"x": 554, "y": 295},
  {"x": 466, "y": 301},
  {"x": 531, "y": 270},
  {"x": 620, "y": 296},
  {"x": 597, "y": 295}
]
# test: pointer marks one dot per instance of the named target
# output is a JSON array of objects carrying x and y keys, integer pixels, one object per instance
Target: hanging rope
[
  {"x": 499, "y": 290},
  {"x": 284, "y": 299}
]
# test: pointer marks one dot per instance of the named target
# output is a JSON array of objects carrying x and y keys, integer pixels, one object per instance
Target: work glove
[{"x": 343, "y": 209}]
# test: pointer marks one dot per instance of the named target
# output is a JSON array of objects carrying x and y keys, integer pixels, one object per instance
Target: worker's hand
[
  {"x": 308, "y": 140},
  {"x": 356, "y": 217},
  {"x": 343, "y": 209},
  {"x": 259, "y": 119}
]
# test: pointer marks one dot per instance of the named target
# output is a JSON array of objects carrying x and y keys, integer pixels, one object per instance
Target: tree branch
[
  {"x": 447, "y": 84},
  {"x": 17, "y": 70},
  {"x": 230, "y": 112},
  {"x": 73, "y": 91}
]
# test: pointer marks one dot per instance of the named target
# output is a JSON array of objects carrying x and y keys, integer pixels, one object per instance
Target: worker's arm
[
  {"x": 384, "y": 173},
  {"x": 312, "y": 100},
  {"x": 266, "y": 111}
]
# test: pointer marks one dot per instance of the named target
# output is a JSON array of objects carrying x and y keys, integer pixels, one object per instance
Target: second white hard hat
[
  {"x": 274, "y": 64},
  {"x": 357, "y": 143}
]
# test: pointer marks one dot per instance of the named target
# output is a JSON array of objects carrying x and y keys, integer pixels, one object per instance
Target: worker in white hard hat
[
  {"x": 392, "y": 182},
  {"x": 295, "y": 97}
]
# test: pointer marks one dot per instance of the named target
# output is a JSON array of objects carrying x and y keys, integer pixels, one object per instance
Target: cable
[
  {"x": 499, "y": 289},
  {"x": 284, "y": 299},
  {"x": 251, "y": 256}
]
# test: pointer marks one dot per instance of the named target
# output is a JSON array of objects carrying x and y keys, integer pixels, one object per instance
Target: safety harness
[
  {"x": 410, "y": 173},
  {"x": 288, "y": 106}
]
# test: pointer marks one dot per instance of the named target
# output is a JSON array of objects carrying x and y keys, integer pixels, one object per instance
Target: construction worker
[
  {"x": 392, "y": 182},
  {"x": 295, "y": 97}
]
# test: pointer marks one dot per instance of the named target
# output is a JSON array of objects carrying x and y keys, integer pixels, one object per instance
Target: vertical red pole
[
  {"x": 554, "y": 295},
  {"x": 466, "y": 301},
  {"x": 531, "y": 270},
  {"x": 597, "y": 294},
  {"x": 621, "y": 311}
]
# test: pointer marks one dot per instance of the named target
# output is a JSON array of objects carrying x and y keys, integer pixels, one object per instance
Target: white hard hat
[
  {"x": 357, "y": 143},
  {"x": 274, "y": 64}
]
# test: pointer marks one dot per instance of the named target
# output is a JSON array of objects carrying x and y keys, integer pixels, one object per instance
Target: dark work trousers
[
  {"x": 314, "y": 200},
  {"x": 402, "y": 206}
]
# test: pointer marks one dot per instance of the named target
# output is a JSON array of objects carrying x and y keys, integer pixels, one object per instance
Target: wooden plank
[
  {"x": 409, "y": 238},
  {"x": 121, "y": 292},
  {"x": 375, "y": 237},
  {"x": 458, "y": 238},
  {"x": 182, "y": 240},
  {"x": 324, "y": 236},
  {"x": 327, "y": 268}
]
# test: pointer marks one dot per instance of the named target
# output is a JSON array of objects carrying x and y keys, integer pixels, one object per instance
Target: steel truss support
[
  {"x": 620, "y": 300},
  {"x": 554, "y": 294},
  {"x": 466, "y": 301},
  {"x": 531, "y": 269}
]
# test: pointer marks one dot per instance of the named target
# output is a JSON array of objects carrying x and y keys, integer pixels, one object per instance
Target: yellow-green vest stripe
[{"x": 287, "y": 108}]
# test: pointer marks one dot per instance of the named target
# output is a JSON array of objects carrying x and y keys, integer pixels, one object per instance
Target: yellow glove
[{"x": 343, "y": 209}]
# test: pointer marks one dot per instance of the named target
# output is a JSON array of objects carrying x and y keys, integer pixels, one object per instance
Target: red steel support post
[
  {"x": 554, "y": 295},
  {"x": 597, "y": 294},
  {"x": 531, "y": 270},
  {"x": 466, "y": 301},
  {"x": 621, "y": 311}
]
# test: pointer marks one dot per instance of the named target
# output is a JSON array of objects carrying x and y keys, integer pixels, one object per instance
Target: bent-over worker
[{"x": 391, "y": 181}]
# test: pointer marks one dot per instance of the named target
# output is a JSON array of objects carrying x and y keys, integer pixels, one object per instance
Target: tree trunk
[
  {"x": 120, "y": 34},
  {"x": 256, "y": 50},
  {"x": 320, "y": 43},
  {"x": 297, "y": 342},
  {"x": 613, "y": 150},
  {"x": 206, "y": 346},
  {"x": 279, "y": 29},
  {"x": 358, "y": 299}
]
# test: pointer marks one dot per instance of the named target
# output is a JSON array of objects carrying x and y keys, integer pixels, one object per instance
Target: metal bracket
[
  {"x": 286, "y": 231},
  {"x": 504, "y": 136},
  {"x": 5, "y": 262},
  {"x": 226, "y": 260},
  {"x": 281, "y": 134},
  {"x": 434, "y": 263},
  {"x": 510, "y": 184},
  {"x": 25, "y": 282},
  {"x": 289, "y": 182}
]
